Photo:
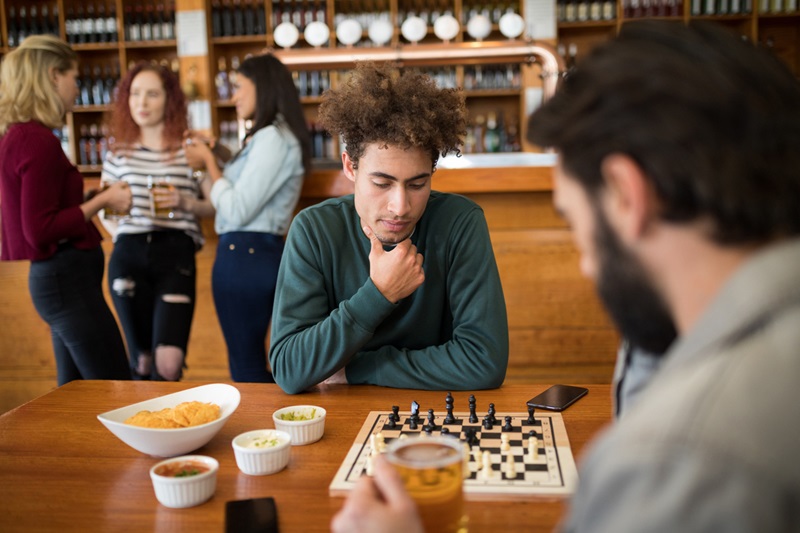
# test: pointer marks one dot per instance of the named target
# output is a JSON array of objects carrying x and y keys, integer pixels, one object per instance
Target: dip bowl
[
  {"x": 176, "y": 441},
  {"x": 184, "y": 481},
  {"x": 305, "y": 423},
  {"x": 262, "y": 451}
]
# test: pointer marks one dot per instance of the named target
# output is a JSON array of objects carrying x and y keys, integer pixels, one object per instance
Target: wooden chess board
[{"x": 552, "y": 473}]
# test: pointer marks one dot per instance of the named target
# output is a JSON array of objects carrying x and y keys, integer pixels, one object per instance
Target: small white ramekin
[
  {"x": 302, "y": 431},
  {"x": 180, "y": 492},
  {"x": 262, "y": 461}
]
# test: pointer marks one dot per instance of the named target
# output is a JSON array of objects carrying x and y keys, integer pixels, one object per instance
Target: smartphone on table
[
  {"x": 557, "y": 397},
  {"x": 257, "y": 515}
]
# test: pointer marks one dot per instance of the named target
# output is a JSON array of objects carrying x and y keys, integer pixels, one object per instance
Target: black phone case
[
  {"x": 557, "y": 397},
  {"x": 257, "y": 515}
]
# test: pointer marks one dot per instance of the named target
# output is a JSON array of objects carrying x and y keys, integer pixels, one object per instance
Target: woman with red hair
[{"x": 151, "y": 273}]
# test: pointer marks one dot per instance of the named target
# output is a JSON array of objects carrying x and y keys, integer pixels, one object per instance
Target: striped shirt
[{"x": 141, "y": 167}]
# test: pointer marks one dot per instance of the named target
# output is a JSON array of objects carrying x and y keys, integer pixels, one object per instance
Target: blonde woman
[{"x": 45, "y": 219}]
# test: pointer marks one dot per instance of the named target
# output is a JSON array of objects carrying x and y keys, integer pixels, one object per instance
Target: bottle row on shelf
[
  {"x": 585, "y": 10},
  {"x": 150, "y": 22},
  {"x": 492, "y": 134},
  {"x": 32, "y": 18},
  {"x": 96, "y": 85},
  {"x": 92, "y": 144},
  {"x": 92, "y": 24},
  {"x": 777, "y": 6},
  {"x": 231, "y": 19}
]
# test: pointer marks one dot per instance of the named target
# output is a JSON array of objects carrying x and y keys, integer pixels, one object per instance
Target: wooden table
[{"x": 61, "y": 470}]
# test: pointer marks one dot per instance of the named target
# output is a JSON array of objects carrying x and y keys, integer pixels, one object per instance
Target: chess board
[{"x": 553, "y": 473}]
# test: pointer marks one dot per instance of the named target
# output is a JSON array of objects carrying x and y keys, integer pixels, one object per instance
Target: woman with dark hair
[
  {"x": 255, "y": 197},
  {"x": 151, "y": 273},
  {"x": 45, "y": 219}
]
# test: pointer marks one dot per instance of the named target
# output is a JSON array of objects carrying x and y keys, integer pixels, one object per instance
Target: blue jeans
[
  {"x": 151, "y": 277},
  {"x": 66, "y": 290},
  {"x": 243, "y": 283}
]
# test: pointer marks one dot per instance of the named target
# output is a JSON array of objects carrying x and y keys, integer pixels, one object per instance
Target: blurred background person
[
  {"x": 152, "y": 273},
  {"x": 45, "y": 219},
  {"x": 255, "y": 197}
]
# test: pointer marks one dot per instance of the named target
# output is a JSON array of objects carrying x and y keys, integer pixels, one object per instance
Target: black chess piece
[
  {"x": 445, "y": 431},
  {"x": 473, "y": 418},
  {"x": 487, "y": 422},
  {"x": 415, "y": 410},
  {"x": 396, "y": 413},
  {"x": 448, "y": 401},
  {"x": 507, "y": 426},
  {"x": 427, "y": 429},
  {"x": 469, "y": 436},
  {"x": 491, "y": 413},
  {"x": 431, "y": 419},
  {"x": 412, "y": 423},
  {"x": 531, "y": 420}
]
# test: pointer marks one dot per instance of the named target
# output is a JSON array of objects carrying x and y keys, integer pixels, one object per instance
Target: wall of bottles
[
  {"x": 231, "y": 18},
  {"x": 149, "y": 21},
  {"x": 30, "y": 18}
]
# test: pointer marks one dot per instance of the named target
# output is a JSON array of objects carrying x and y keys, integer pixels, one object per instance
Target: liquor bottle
[
  {"x": 477, "y": 131},
  {"x": 221, "y": 80},
  {"x": 250, "y": 18},
  {"x": 83, "y": 145},
  {"x": 216, "y": 19},
  {"x": 261, "y": 18},
  {"x": 227, "y": 18},
  {"x": 22, "y": 25},
  {"x": 609, "y": 9},
  {"x": 92, "y": 145},
  {"x": 109, "y": 81},
  {"x": 147, "y": 23},
  {"x": 86, "y": 87},
  {"x": 135, "y": 23},
  {"x": 12, "y": 28},
  {"x": 238, "y": 18},
  {"x": 168, "y": 25},
  {"x": 97, "y": 86},
  {"x": 157, "y": 24},
  {"x": 34, "y": 25},
  {"x": 233, "y": 73},
  {"x": 491, "y": 137}
]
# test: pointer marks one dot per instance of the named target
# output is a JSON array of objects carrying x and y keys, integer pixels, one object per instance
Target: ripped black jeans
[{"x": 151, "y": 277}]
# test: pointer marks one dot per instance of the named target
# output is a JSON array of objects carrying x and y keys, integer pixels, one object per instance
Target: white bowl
[
  {"x": 172, "y": 442},
  {"x": 260, "y": 461},
  {"x": 187, "y": 490},
  {"x": 301, "y": 431}
]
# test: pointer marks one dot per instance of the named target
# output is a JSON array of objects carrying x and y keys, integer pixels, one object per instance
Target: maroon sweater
[{"x": 40, "y": 196}]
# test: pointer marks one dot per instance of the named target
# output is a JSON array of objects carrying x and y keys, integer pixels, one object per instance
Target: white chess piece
[
  {"x": 486, "y": 470},
  {"x": 504, "y": 444},
  {"x": 533, "y": 448},
  {"x": 476, "y": 453},
  {"x": 511, "y": 470}
]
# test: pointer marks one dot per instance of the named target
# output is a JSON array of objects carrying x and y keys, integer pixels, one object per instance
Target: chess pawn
[
  {"x": 478, "y": 456},
  {"x": 486, "y": 469},
  {"x": 511, "y": 470}
]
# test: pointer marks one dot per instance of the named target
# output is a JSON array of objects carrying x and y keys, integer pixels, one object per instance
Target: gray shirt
[{"x": 713, "y": 443}]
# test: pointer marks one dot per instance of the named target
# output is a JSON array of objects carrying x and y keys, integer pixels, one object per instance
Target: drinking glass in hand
[{"x": 431, "y": 470}]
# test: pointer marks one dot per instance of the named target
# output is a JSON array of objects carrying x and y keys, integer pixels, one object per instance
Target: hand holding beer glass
[
  {"x": 118, "y": 200},
  {"x": 165, "y": 199},
  {"x": 431, "y": 470}
]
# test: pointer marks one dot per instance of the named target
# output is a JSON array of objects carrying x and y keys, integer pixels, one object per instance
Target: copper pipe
[{"x": 552, "y": 64}]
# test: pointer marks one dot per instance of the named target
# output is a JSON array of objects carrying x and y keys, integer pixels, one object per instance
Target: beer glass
[
  {"x": 431, "y": 469},
  {"x": 157, "y": 209}
]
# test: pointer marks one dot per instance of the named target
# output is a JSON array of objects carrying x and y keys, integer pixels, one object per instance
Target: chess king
[
  {"x": 678, "y": 171},
  {"x": 396, "y": 284}
]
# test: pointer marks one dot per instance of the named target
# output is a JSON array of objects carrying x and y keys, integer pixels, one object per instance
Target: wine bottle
[
  {"x": 12, "y": 28},
  {"x": 227, "y": 19},
  {"x": 238, "y": 18}
]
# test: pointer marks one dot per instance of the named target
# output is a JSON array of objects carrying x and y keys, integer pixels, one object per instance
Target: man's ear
[
  {"x": 347, "y": 166},
  {"x": 628, "y": 202}
]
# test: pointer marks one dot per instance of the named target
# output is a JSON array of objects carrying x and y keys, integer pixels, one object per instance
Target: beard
[{"x": 624, "y": 287}]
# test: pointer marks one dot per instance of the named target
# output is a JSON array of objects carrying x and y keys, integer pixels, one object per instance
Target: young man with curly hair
[{"x": 396, "y": 284}]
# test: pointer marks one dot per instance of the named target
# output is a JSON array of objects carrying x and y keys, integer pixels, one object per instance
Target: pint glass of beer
[
  {"x": 431, "y": 469},
  {"x": 157, "y": 209}
]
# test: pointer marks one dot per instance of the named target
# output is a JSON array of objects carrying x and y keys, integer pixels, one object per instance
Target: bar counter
[{"x": 61, "y": 470}]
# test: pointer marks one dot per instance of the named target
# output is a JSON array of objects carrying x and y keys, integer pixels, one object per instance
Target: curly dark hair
[
  {"x": 405, "y": 109},
  {"x": 125, "y": 132}
]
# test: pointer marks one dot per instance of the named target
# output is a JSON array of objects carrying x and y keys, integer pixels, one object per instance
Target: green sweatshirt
[{"x": 449, "y": 334}]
